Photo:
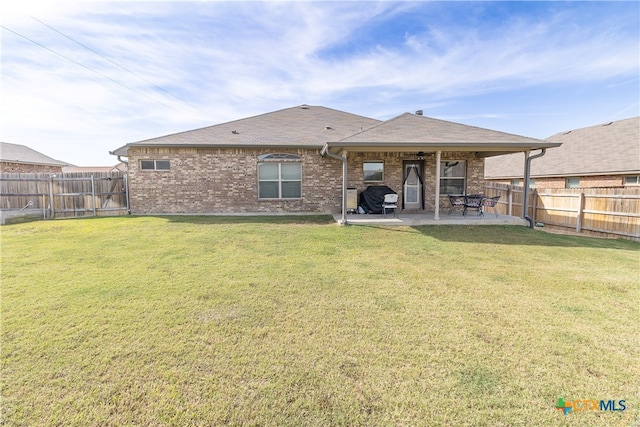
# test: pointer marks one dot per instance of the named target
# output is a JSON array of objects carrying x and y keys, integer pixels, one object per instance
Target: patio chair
[
  {"x": 473, "y": 201},
  {"x": 390, "y": 202},
  {"x": 490, "y": 202},
  {"x": 456, "y": 202}
]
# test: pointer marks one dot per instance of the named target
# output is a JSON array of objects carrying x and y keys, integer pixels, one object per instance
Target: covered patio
[
  {"x": 429, "y": 218},
  {"x": 424, "y": 161}
]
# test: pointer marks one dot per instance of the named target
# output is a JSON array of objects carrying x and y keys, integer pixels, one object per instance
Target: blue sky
[{"x": 82, "y": 78}]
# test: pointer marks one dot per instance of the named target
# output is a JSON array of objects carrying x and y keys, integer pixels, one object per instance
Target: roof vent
[
  {"x": 304, "y": 107},
  {"x": 235, "y": 132},
  {"x": 419, "y": 113},
  {"x": 607, "y": 124},
  {"x": 328, "y": 128}
]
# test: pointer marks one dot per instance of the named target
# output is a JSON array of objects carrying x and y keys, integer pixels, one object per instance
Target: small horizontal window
[
  {"x": 632, "y": 180},
  {"x": 573, "y": 183},
  {"x": 154, "y": 165}
]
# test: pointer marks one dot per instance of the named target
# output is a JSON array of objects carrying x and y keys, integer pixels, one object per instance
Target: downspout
[
  {"x": 527, "y": 175},
  {"x": 325, "y": 152},
  {"x": 126, "y": 181}
]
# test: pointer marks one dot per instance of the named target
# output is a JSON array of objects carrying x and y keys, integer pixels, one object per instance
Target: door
[{"x": 412, "y": 185}]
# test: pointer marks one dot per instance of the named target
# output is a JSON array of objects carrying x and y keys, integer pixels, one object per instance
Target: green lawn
[{"x": 300, "y": 322}]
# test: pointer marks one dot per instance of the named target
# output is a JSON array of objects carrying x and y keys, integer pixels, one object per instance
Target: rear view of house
[{"x": 303, "y": 159}]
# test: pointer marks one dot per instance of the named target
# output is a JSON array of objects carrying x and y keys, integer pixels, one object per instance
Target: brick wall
[
  {"x": 595, "y": 181},
  {"x": 11, "y": 167},
  {"x": 210, "y": 180},
  {"x": 225, "y": 181}
]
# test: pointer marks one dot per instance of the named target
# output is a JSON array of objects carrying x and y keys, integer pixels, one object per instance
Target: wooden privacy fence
[
  {"x": 614, "y": 211},
  {"x": 63, "y": 195}
]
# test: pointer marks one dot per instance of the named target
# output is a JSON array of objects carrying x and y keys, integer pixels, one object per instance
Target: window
[
  {"x": 154, "y": 165},
  {"x": 573, "y": 183},
  {"x": 279, "y": 176},
  {"x": 515, "y": 182},
  {"x": 373, "y": 171},
  {"x": 632, "y": 180},
  {"x": 452, "y": 177}
]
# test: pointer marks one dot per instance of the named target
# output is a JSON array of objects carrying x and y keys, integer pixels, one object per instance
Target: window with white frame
[
  {"x": 279, "y": 176},
  {"x": 632, "y": 180},
  {"x": 373, "y": 171},
  {"x": 573, "y": 183},
  {"x": 453, "y": 174},
  {"x": 155, "y": 165}
]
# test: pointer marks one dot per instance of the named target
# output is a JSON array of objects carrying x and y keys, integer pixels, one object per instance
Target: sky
[{"x": 80, "y": 79}]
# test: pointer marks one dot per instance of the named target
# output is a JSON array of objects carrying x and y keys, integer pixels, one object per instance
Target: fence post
[
  {"x": 51, "y": 201},
  {"x": 580, "y": 213},
  {"x": 93, "y": 195},
  {"x": 510, "y": 200},
  {"x": 534, "y": 197}
]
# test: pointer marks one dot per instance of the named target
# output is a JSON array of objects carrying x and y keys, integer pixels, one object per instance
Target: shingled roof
[
  {"x": 301, "y": 126},
  {"x": 416, "y": 132},
  {"x": 607, "y": 149},
  {"x": 16, "y": 153}
]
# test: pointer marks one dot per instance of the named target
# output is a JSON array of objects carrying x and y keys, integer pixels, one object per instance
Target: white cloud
[{"x": 231, "y": 60}]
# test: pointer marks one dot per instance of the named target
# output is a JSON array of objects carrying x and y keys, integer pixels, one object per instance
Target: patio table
[{"x": 473, "y": 201}]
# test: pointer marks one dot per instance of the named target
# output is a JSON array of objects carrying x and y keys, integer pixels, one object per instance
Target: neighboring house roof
[
  {"x": 413, "y": 132},
  {"x": 606, "y": 149},
  {"x": 16, "y": 153},
  {"x": 302, "y": 126}
]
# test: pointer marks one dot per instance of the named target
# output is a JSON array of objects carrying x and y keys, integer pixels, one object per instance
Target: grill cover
[{"x": 371, "y": 199}]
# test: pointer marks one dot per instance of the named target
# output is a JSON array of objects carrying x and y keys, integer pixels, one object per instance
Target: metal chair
[
  {"x": 456, "y": 202},
  {"x": 490, "y": 202},
  {"x": 390, "y": 202}
]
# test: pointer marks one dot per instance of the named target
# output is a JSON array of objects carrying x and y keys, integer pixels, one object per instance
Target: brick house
[
  {"x": 606, "y": 155},
  {"x": 303, "y": 159},
  {"x": 16, "y": 158}
]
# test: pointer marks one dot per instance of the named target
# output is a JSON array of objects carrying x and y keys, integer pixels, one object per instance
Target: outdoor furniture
[
  {"x": 490, "y": 202},
  {"x": 390, "y": 202},
  {"x": 456, "y": 201},
  {"x": 473, "y": 201}
]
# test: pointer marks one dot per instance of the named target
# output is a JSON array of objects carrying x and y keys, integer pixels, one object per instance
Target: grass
[{"x": 296, "y": 321}]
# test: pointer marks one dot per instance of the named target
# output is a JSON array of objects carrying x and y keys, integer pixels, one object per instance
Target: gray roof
[
  {"x": 301, "y": 126},
  {"x": 610, "y": 148},
  {"x": 17, "y": 153},
  {"x": 315, "y": 126},
  {"x": 413, "y": 132}
]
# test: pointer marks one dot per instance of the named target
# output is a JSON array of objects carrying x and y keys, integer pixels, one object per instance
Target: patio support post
[
  {"x": 325, "y": 152},
  {"x": 436, "y": 214}
]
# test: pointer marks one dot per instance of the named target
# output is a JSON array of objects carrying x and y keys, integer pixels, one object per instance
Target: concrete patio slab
[{"x": 427, "y": 218}]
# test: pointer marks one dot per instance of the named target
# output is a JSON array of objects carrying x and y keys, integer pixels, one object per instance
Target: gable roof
[
  {"x": 16, "y": 153},
  {"x": 412, "y": 132},
  {"x": 301, "y": 126},
  {"x": 611, "y": 148}
]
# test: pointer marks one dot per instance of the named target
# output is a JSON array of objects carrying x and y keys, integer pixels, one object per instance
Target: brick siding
[
  {"x": 595, "y": 181},
  {"x": 224, "y": 180},
  {"x": 11, "y": 167}
]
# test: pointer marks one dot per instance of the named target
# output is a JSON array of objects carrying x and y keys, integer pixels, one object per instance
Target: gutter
[
  {"x": 527, "y": 175},
  {"x": 325, "y": 152}
]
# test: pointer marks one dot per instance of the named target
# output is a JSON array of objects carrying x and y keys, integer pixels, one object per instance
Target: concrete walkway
[{"x": 426, "y": 218}]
